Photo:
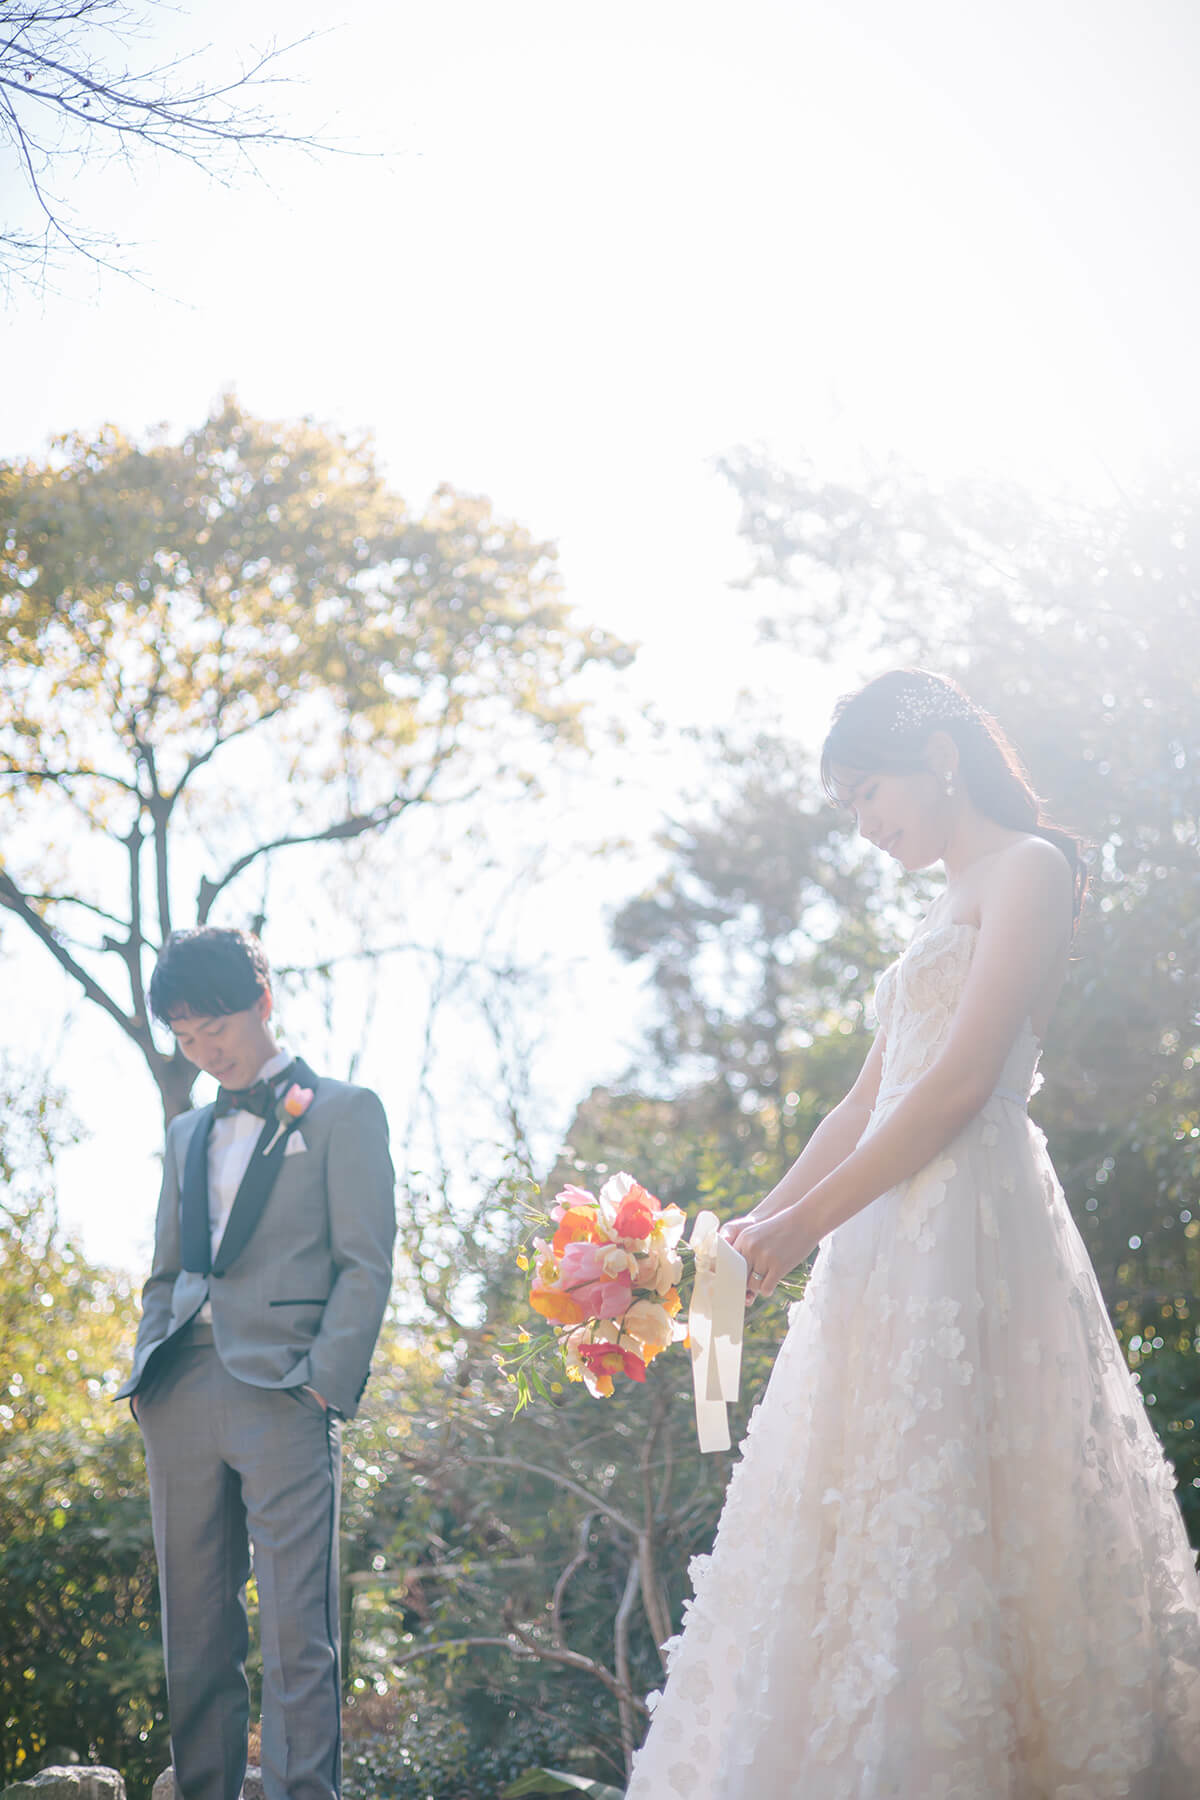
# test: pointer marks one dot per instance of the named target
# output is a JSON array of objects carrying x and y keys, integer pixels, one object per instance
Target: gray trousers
[{"x": 230, "y": 1467}]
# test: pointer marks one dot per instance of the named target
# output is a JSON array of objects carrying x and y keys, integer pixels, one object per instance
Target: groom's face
[{"x": 230, "y": 1046}]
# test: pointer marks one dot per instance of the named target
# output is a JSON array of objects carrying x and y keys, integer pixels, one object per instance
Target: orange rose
[{"x": 636, "y": 1214}]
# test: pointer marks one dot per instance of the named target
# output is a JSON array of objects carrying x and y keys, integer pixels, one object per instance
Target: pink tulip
[
  {"x": 582, "y": 1261},
  {"x": 582, "y": 1274},
  {"x": 604, "y": 1299},
  {"x": 568, "y": 1197}
]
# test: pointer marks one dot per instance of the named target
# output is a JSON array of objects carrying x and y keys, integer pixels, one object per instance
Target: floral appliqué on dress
[{"x": 951, "y": 1564}]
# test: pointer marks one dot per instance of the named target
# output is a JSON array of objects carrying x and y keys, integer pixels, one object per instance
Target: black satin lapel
[{"x": 195, "y": 1240}]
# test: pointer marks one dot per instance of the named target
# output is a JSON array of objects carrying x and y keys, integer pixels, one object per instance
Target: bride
[{"x": 951, "y": 1564}]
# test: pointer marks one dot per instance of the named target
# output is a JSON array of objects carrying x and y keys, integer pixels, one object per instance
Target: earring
[{"x": 949, "y": 785}]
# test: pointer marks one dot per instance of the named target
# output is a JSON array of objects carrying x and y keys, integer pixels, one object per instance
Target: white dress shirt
[{"x": 230, "y": 1146}]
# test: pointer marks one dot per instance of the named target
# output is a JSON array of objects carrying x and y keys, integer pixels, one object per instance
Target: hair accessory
[{"x": 931, "y": 704}]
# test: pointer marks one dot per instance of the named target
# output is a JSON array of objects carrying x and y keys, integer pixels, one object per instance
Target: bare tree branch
[
  {"x": 570, "y": 1659},
  {"x": 15, "y": 901},
  {"x": 588, "y": 1665},
  {"x": 52, "y": 71},
  {"x": 563, "y": 1481},
  {"x": 60, "y": 775},
  {"x": 343, "y": 830},
  {"x": 621, "y": 1661},
  {"x": 74, "y": 900},
  {"x": 159, "y": 806},
  {"x": 131, "y": 950},
  {"x": 501, "y": 971},
  {"x": 657, "y": 1615},
  {"x": 560, "y": 1587},
  {"x": 198, "y": 758},
  {"x": 386, "y": 1580},
  {"x": 168, "y": 122}
]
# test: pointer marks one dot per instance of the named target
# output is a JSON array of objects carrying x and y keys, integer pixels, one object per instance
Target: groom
[{"x": 272, "y": 1265}]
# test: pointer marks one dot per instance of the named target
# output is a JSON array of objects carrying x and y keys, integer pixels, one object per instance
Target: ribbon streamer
[{"x": 715, "y": 1321}]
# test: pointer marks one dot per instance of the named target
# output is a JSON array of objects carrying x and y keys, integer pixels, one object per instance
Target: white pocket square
[{"x": 295, "y": 1145}]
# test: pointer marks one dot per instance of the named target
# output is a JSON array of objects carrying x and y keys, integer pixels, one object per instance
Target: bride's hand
[
  {"x": 772, "y": 1247},
  {"x": 733, "y": 1228},
  {"x": 732, "y": 1231}
]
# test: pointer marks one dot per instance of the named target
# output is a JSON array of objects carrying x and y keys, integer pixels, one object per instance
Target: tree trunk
[{"x": 176, "y": 1077}]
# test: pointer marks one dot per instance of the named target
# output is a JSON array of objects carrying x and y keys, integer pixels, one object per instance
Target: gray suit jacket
[{"x": 302, "y": 1302}]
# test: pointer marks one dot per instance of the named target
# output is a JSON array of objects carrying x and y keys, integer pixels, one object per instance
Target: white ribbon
[{"x": 715, "y": 1322}]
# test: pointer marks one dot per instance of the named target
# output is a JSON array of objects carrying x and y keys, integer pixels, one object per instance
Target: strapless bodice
[{"x": 915, "y": 1001}]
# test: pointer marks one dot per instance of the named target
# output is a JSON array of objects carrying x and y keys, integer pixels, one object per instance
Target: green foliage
[
  {"x": 79, "y": 1635},
  {"x": 80, "y": 1654},
  {"x": 1078, "y": 628},
  {"x": 196, "y": 590},
  {"x": 399, "y": 1747},
  {"x": 249, "y": 627},
  {"x": 495, "y": 1567},
  {"x": 553, "y": 1781},
  {"x": 64, "y": 1329},
  {"x": 62, "y": 1320},
  {"x": 763, "y": 937},
  {"x": 507, "y": 1581}
]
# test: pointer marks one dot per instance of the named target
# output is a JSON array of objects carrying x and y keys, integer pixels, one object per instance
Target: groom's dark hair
[{"x": 208, "y": 971}]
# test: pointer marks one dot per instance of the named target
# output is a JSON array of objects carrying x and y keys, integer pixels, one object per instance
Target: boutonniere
[{"x": 292, "y": 1106}]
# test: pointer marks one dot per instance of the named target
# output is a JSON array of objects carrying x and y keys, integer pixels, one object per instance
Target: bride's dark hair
[{"x": 885, "y": 727}]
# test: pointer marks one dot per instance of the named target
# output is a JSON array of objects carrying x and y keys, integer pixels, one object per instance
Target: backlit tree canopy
[{"x": 252, "y": 604}]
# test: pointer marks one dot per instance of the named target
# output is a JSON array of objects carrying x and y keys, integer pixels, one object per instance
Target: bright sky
[{"x": 600, "y": 247}]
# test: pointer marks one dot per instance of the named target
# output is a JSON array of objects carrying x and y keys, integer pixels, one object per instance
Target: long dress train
[{"x": 951, "y": 1564}]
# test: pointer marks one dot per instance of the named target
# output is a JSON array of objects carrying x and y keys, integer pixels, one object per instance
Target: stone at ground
[
  {"x": 164, "y": 1787},
  {"x": 79, "y": 1781}
]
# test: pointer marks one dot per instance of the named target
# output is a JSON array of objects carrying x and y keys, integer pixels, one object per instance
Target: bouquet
[{"x": 607, "y": 1285}]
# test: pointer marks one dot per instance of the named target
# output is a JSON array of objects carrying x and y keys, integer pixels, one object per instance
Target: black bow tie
[{"x": 259, "y": 1099}]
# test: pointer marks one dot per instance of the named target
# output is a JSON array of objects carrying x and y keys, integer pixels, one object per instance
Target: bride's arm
[
  {"x": 832, "y": 1141},
  {"x": 1023, "y": 922}
]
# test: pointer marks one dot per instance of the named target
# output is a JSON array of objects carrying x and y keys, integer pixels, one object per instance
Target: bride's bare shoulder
[{"x": 1029, "y": 871}]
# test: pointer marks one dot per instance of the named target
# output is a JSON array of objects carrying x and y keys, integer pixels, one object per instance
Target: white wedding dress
[{"x": 951, "y": 1564}]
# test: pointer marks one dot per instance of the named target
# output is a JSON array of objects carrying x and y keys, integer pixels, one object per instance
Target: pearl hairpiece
[{"x": 932, "y": 705}]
